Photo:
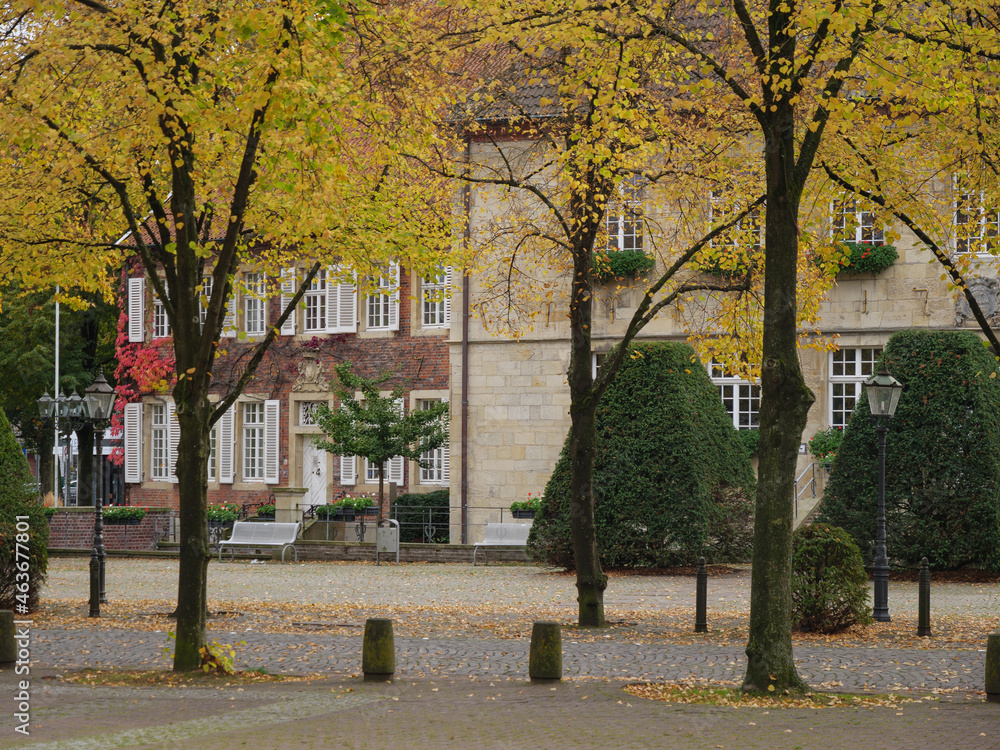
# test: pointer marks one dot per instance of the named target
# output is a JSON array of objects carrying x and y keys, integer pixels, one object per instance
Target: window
[
  {"x": 854, "y": 222},
  {"x": 160, "y": 439},
  {"x": 744, "y": 234},
  {"x": 383, "y": 307},
  {"x": 253, "y": 442},
  {"x": 740, "y": 397},
  {"x": 307, "y": 412},
  {"x": 212, "y": 452},
  {"x": 207, "y": 282},
  {"x": 316, "y": 303},
  {"x": 161, "y": 326},
  {"x": 393, "y": 470},
  {"x": 253, "y": 304},
  {"x": 433, "y": 464},
  {"x": 436, "y": 306},
  {"x": 977, "y": 226},
  {"x": 623, "y": 218},
  {"x": 848, "y": 369},
  {"x": 596, "y": 360}
]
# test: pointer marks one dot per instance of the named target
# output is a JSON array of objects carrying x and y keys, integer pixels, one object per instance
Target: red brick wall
[
  {"x": 74, "y": 529},
  {"x": 421, "y": 361}
]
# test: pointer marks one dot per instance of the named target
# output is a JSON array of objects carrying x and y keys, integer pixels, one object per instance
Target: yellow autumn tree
[{"x": 204, "y": 138}]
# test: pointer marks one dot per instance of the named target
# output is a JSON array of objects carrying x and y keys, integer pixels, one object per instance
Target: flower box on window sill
[
  {"x": 621, "y": 264},
  {"x": 861, "y": 257}
]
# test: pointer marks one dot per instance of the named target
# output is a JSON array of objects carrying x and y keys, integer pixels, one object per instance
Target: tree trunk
[
  {"x": 785, "y": 402},
  {"x": 85, "y": 479},
  {"x": 382, "y": 512},
  {"x": 192, "y": 479}
]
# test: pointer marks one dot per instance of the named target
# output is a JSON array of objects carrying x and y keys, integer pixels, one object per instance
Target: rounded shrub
[
  {"x": 415, "y": 510},
  {"x": 672, "y": 481},
  {"x": 942, "y": 490},
  {"x": 829, "y": 583},
  {"x": 19, "y": 504}
]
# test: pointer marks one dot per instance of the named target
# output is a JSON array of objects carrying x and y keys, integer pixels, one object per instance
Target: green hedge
[
  {"x": 829, "y": 583},
  {"x": 672, "y": 480},
  {"x": 942, "y": 457},
  {"x": 29, "y": 543},
  {"x": 411, "y": 510}
]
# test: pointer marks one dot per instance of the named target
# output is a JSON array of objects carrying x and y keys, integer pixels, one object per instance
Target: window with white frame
[
  {"x": 977, "y": 225},
  {"x": 315, "y": 298},
  {"x": 849, "y": 367},
  {"x": 853, "y": 221},
  {"x": 433, "y": 464},
  {"x": 383, "y": 306},
  {"x": 435, "y": 303},
  {"x": 204, "y": 296},
  {"x": 746, "y": 233},
  {"x": 253, "y": 442},
  {"x": 161, "y": 325},
  {"x": 159, "y": 461},
  {"x": 623, "y": 218},
  {"x": 596, "y": 360},
  {"x": 253, "y": 304},
  {"x": 740, "y": 397},
  {"x": 212, "y": 453}
]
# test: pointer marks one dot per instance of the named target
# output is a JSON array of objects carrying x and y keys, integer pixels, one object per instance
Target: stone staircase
[{"x": 810, "y": 481}]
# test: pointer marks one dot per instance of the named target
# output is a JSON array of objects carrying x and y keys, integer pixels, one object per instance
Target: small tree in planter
[{"x": 377, "y": 427}]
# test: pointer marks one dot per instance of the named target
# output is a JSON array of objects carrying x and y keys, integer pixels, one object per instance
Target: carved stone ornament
[
  {"x": 985, "y": 291},
  {"x": 311, "y": 377}
]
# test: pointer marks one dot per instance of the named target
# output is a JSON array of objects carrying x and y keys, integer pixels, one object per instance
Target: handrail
[{"x": 811, "y": 483}]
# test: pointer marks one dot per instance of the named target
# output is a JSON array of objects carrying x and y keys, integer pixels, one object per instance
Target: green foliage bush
[
  {"x": 266, "y": 511},
  {"x": 671, "y": 480},
  {"x": 750, "y": 440},
  {"x": 825, "y": 443},
  {"x": 829, "y": 583},
  {"x": 621, "y": 264},
  {"x": 17, "y": 498},
  {"x": 942, "y": 457},
  {"x": 413, "y": 510}
]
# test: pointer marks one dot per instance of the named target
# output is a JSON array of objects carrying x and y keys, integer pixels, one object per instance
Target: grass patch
[
  {"x": 161, "y": 677},
  {"x": 709, "y": 695}
]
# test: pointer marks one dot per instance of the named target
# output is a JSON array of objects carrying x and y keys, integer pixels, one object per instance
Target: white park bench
[
  {"x": 502, "y": 535},
  {"x": 258, "y": 535}
]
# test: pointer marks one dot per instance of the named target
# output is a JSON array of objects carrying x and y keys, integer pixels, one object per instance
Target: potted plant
[
  {"x": 365, "y": 506},
  {"x": 343, "y": 509},
  {"x": 614, "y": 264},
  {"x": 825, "y": 444},
  {"x": 223, "y": 515},
  {"x": 122, "y": 515},
  {"x": 266, "y": 511},
  {"x": 526, "y": 508}
]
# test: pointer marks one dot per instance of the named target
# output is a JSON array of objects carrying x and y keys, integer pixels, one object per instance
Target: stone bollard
[
  {"x": 545, "y": 659},
  {"x": 993, "y": 668},
  {"x": 924, "y": 600},
  {"x": 701, "y": 599},
  {"x": 8, "y": 648},
  {"x": 378, "y": 654}
]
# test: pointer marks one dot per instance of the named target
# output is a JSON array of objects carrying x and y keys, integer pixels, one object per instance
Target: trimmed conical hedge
[
  {"x": 942, "y": 457},
  {"x": 672, "y": 481},
  {"x": 18, "y": 499}
]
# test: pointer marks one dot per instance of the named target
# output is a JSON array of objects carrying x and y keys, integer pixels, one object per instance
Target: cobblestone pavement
[{"x": 455, "y": 689}]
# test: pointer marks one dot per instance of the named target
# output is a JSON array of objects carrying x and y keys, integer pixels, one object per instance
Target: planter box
[
  {"x": 122, "y": 521},
  {"x": 523, "y": 513}
]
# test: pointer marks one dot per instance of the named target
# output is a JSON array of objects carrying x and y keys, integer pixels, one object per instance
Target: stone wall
[{"x": 73, "y": 528}]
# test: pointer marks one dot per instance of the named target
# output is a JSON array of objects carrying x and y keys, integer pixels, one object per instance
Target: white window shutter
[
  {"x": 287, "y": 292},
  {"x": 446, "y": 454},
  {"x": 332, "y": 302},
  {"x": 394, "y": 297},
  {"x": 348, "y": 307},
  {"x": 229, "y": 322},
  {"x": 227, "y": 426},
  {"x": 133, "y": 443},
  {"x": 174, "y": 439},
  {"x": 447, "y": 299},
  {"x": 395, "y": 473},
  {"x": 348, "y": 470},
  {"x": 136, "y": 310},
  {"x": 272, "y": 435}
]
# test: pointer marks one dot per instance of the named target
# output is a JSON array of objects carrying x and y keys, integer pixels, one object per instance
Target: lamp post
[
  {"x": 100, "y": 399},
  {"x": 95, "y": 408},
  {"x": 883, "y": 395}
]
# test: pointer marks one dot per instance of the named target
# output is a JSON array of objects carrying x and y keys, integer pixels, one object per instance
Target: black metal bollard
[
  {"x": 993, "y": 668},
  {"x": 95, "y": 585},
  {"x": 701, "y": 599},
  {"x": 924, "y": 598},
  {"x": 8, "y": 631}
]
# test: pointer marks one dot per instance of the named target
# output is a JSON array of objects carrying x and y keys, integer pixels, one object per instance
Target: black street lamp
[
  {"x": 95, "y": 408},
  {"x": 883, "y": 395}
]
